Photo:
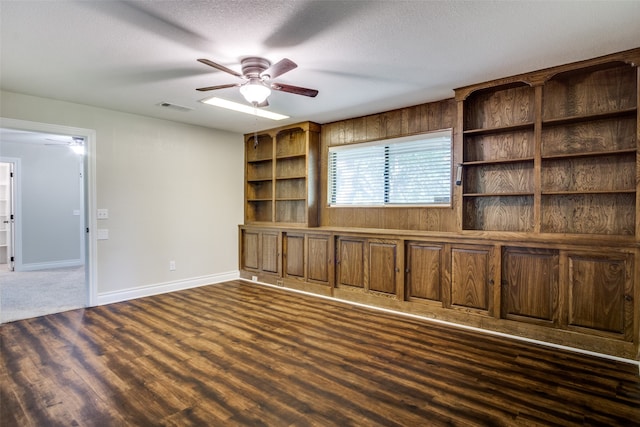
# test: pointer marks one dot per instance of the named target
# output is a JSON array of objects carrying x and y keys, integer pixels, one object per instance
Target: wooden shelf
[
  {"x": 498, "y": 161},
  {"x": 290, "y": 156},
  {"x": 571, "y": 192},
  {"x": 497, "y": 194},
  {"x": 259, "y": 160},
  {"x": 590, "y": 154},
  {"x": 499, "y": 129},
  {"x": 560, "y": 121},
  {"x": 282, "y": 178}
]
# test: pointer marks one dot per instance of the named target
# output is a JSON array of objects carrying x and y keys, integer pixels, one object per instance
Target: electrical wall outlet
[
  {"x": 172, "y": 265},
  {"x": 254, "y": 278},
  {"x": 103, "y": 213}
]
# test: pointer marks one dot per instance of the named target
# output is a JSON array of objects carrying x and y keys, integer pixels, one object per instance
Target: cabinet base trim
[{"x": 457, "y": 325}]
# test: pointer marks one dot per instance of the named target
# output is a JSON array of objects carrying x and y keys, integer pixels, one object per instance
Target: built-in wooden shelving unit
[
  {"x": 281, "y": 183},
  {"x": 542, "y": 239},
  {"x": 553, "y": 151}
]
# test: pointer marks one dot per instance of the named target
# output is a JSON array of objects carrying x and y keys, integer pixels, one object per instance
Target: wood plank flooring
[{"x": 238, "y": 353}]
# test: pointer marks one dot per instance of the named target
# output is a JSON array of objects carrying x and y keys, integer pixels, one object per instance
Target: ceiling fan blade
[
  {"x": 219, "y": 67},
  {"x": 203, "y": 89},
  {"x": 279, "y": 68},
  {"x": 294, "y": 89}
]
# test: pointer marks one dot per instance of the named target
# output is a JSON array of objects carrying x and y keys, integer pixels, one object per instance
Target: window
[{"x": 413, "y": 170}]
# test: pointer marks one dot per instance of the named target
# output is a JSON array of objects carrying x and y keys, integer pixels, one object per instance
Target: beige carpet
[{"x": 26, "y": 294}]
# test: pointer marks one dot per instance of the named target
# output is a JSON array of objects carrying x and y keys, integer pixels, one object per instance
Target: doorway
[
  {"x": 7, "y": 231},
  {"x": 53, "y": 190}
]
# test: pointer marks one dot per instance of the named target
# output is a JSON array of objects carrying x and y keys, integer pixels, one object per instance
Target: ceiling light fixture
[
  {"x": 243, "y": 108},
  {"x": 254, "y": 91}
]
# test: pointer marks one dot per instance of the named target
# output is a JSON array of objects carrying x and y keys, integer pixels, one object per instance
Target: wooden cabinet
[
  {"x": 281, "y": 175},
  {"x": 293, "y": 255},
  {"x": 307, "y": 257},
  {"x": 423, "y": 278},
  {"x": 600, "y": 293},
  {"x": 472, "y": 278},
  {"x": 530, "y": 285},
  {"x": 567, "y": 293},
  {"x": 543, "y": 238},
  {"x": 350, "y": 262},
  {"x": 554, "y": 151},
  {"x": 319, "y": 259},
  {"x": 383, "y": 272},
  {"x": 260, "y": 251},
  {"x": 368, "y": 264}
]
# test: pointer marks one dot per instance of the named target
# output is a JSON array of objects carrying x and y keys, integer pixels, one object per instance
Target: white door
[{"x": 7, "y": 215}]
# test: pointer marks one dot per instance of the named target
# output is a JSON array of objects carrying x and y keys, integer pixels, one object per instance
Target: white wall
[
  {"x": 174, "y": 192},
  {"x": 50, "y": 218}
]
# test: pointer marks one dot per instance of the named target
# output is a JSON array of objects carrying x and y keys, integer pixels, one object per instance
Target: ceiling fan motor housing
[{"x": 254, "y": 66}]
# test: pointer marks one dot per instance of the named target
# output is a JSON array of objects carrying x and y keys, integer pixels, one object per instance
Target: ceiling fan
[
  {"x": 76, "y": 143},
  {"x": 257, "y": 74}
]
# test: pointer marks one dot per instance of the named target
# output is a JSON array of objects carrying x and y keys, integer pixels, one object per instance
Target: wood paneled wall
[{"x": 391, "y": 124}]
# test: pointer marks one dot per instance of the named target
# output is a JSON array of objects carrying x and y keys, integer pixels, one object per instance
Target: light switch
[
  {"x": 103, "y": 213},
  {"x": 103, "y": 234}
]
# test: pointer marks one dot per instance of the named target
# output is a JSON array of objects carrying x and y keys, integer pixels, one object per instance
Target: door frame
[
  {"x": 89, "y": 189},
  {"x": 13, "y": 239}
]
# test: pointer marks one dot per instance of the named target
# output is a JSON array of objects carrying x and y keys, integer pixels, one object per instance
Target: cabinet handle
[
  {"x": 491, "y": 282},
  {"x": 628, "y": 298}
]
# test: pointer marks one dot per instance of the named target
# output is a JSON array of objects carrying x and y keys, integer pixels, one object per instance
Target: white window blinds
[{"x": 414, "y": 170}]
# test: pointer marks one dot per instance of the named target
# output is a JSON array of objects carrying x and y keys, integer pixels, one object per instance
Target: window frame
[{"x": 448, "y": 132}]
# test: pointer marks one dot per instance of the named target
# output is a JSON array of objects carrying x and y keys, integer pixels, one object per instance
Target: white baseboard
[
  {"x": 35, "y": 266},
  {"x": 161, "y": 288}
]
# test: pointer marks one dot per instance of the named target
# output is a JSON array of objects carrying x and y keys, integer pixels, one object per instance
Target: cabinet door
[
  {"x": 319, "y": 259},
  {"x": 350, "y": 264},
  {"x": 600, "y": 293},
  {"x": 269, "y": 252},
  {"x": 472, "y": 278},
  {"x": 250, "y": 249},
  {"x": 382, "y": 266},
  {"x": 294, "y": 255},
  {"x": 423, "y": 278},
  {"x": 530, "y": 285}
]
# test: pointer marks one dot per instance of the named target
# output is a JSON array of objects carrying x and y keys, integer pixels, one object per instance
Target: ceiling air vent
[{"x": 174, "y": 106}]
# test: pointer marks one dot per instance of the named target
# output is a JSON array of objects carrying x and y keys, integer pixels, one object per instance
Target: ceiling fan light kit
[
  {"x": 255, "y": 92},
  {"x": 257, "y": 74}
]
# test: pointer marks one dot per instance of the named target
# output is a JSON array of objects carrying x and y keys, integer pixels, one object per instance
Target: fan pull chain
[{"x": 255, "y": 128}]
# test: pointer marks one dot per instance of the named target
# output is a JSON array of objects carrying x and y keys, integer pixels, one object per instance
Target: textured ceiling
[{"x": 363, "y": 56}]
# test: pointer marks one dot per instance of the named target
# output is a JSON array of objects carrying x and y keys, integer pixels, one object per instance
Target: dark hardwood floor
[{"x": 243, "y": 354}]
